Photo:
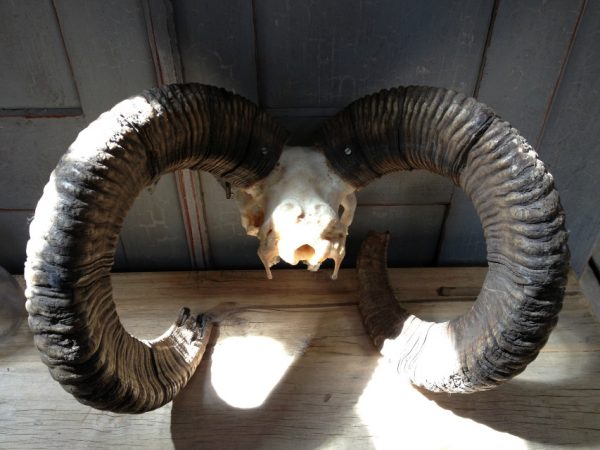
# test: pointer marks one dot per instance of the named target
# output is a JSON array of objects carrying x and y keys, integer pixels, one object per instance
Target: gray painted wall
[{"x": 536, "y": 62}]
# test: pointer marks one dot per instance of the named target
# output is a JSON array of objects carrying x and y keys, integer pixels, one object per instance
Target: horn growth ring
[
  {"x": 74, "y": 234},
  {"x": 453, "y": 135}
]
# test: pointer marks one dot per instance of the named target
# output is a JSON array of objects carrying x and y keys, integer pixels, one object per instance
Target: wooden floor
[{"x": 291, "y": 368}]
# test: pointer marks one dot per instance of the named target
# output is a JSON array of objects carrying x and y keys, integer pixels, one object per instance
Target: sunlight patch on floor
[
  {"x": 245, "y": 369},
  {"x": 399, "y": 416}
]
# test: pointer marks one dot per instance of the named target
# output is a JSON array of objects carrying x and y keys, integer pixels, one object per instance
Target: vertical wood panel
[
  {"x": 528, "y": 47},
  {"x": 327, "y": 53},
  {"x": 216, "y": 42},
  {"x": 230, "y": 247},
  {"x": 107, "y": 42},
  {"x": 524, "y": 59},
  {"x": 153, "y": 234},
  {"x": 570, "y": 145},
  {"x": 108, "y": 46},
  {"x": 29, "y": 151},
  {"x": 35, "y": 68},
  {"x": 415, "y": 187},
  {"x": 160, "y": 24},
  {"x": 413, "y": 232}
]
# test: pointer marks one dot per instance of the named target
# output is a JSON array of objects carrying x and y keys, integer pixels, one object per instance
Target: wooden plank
[
  {"x": 414, "y": 232},
  {"x": 318, "y": 384},
  {"x": 569, "y": 145},
  {"x": 527, "y": 49},
  {"x": 14, "y": 229},
  {"x": 153, "y": 235},
  {"x": 109, "y": 51},
  {"x": 30, "y": 150},
  {"x": 312, "y": 54},
  {"x": 39, "y": 74},
  {"x": 216, "y": 42},
  {"x": 160, "y": 24},
  {"x": 230, "y": 247},
  {"x": 463, "y": 242},
  {"x": 523, "y": 61},
  {"x": 415, "y": 187},
  {"x": 107, "y": 42}
]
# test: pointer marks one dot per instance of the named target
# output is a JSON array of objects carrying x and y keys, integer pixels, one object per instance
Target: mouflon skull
[
  {"x": 291, "y": 201},
  {"x": 300, "y": 212}
]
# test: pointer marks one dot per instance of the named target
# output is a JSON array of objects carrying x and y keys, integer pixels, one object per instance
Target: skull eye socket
[{"x": 341, "y": 210}]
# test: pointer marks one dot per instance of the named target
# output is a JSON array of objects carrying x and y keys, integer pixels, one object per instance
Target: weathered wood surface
[
  {"x": 216, "y": 42},
  {"x": 290, "y": 367},
  {"x": 570, "y": 142},
  {"x": 518, "y": 80},
  {"x": 35, "y": 67},
  {"x": 109, "y": 50},
  {"x": 323, "y": 54}
]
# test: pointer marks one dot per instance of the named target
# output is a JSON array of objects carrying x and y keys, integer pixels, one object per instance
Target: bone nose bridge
[{"x": 285, "y": 214}]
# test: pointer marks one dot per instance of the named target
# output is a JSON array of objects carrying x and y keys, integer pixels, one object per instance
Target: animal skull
[
  {"x": 292, "y": 206},
  {"x": 300, "y": 212}
]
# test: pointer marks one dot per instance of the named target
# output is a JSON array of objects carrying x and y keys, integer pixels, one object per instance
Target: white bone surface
[{"x": 300, "y": 213}]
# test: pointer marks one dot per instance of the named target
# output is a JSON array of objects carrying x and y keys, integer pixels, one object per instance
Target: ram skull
[
  {"x": 300, "y": 212},
  {"x": 291, "y": 202}
]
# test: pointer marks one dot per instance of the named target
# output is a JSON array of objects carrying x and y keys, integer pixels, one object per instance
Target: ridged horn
[
  {"x": 77, "y": 221},
  {"x": 456, "y": 136}
]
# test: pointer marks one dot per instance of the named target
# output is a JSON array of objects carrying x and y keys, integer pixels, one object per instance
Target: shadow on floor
[
  {"x": 559, "y": 413},
  {"x": 306, "y": 407}
]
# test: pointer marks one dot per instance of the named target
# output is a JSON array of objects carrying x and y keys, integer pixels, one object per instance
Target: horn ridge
[
  {"x": 454, "y": 135},
  {"x": 74, "y": 234}
]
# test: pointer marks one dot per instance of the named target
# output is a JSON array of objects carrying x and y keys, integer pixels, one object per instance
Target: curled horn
[
  {"x": 76, "y": 226},
  {"x": 523, "y": 221}
]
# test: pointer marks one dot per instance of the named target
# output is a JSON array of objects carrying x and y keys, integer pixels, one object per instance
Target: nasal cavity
[{"x": 304, "y": 253}]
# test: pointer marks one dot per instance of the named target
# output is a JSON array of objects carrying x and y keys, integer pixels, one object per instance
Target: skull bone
[{"x": 300, "y": 212}]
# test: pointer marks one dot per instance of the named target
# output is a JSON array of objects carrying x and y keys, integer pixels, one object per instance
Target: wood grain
[{"x": 302, "y": 351}]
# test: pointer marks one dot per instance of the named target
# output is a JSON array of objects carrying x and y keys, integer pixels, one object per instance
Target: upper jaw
[{"x": 305, "y": 242}]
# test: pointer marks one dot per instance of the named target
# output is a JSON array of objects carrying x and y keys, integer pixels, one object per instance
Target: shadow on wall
[{"x": 14, "y": 234}]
